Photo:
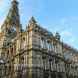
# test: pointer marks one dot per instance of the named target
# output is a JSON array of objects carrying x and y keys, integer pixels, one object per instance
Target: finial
[
  {"x": 57, "y": 35},
  {"x": 14, "y": 1},
  {"x": 32, "y": 20}
]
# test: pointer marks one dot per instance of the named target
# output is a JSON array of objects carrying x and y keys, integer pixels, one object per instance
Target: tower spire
[
  {"x": 13, "y": 19},
  {"x": 14, "y": 1}
]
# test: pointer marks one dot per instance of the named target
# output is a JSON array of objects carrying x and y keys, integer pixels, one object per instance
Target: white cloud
[
  {"x": 67, "y": 27},
  {"x": 66, "y": 33},
  {"x": 68, "y": 36},
  {"x": 1, "y": 2}
]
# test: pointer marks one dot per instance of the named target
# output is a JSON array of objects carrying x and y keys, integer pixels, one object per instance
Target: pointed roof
[
  {"x": 13, "y": 14},
  {"x": 32, "y": 20},
  {"x": 14, "y": 1}
]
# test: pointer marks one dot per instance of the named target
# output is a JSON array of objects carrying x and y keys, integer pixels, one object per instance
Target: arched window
[
  {"x": 7, "y": 53},
  {"x": 23, "y": 44},
  {"x": 12, "y": 50},
  {"x": 49, "y": 45},
  {"x": 41, "y": 42}
]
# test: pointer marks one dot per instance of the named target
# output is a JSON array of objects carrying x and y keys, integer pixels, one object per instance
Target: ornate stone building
[{"x": 34, "y": 52}]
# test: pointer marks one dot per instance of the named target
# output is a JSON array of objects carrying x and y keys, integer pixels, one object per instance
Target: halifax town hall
[{"x": 34, "y": 52}]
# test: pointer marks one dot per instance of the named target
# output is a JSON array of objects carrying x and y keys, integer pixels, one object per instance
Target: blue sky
[{"x": 54, "y": 15}]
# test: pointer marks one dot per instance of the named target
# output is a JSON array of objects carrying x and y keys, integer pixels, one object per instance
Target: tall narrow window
[
  {"x": 41, "y": 43},
  {"x": 23, "y": 44}
]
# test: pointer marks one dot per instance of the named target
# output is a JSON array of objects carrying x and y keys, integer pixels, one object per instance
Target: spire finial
[
  {"x": 15, "y": 1},
  {"x": 32, "y": 20},
  {"x": 57, "y": 35}
]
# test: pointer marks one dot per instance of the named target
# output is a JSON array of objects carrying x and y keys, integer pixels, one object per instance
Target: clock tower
[{"x": 12, "y": 22}]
